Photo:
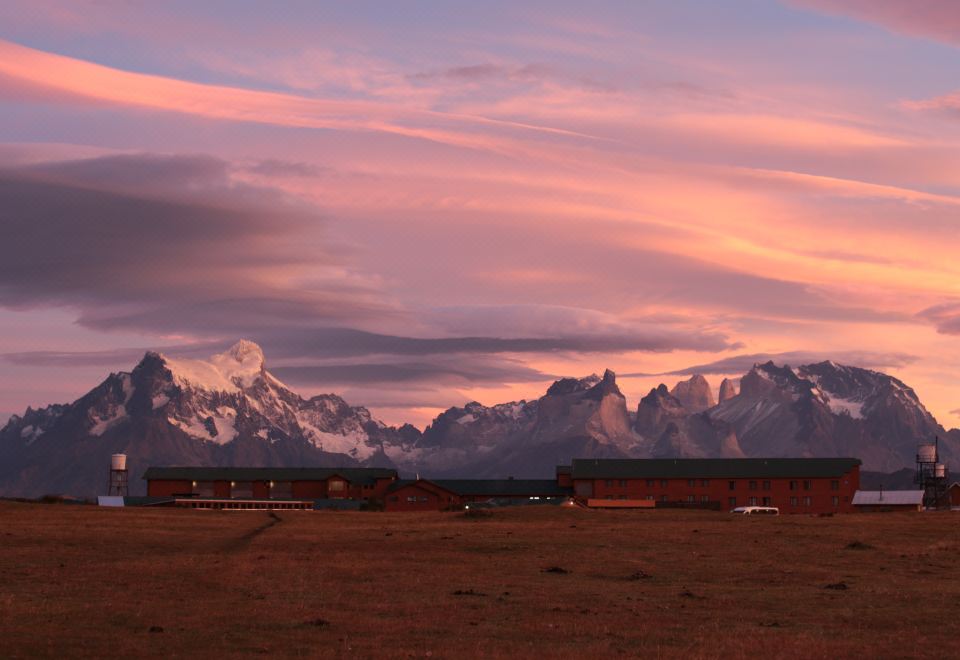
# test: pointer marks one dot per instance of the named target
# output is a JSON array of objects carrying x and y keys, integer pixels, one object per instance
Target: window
[
  {"x": 651, "y": 483},
  {"x": 623, "y": 483},
  {"x": 807, "y": 501},
  {"x": 664, "y": 483},
  {"x": 752, "y": 501},
  {"x": 766, "y": 485},
  {"x": 835, "y": 500},
  {"x": 733, "y": 485},
  {"x": 806, "y": 485},
  {"x": 704, "y": 482},
  {"x": 203, "y": 488},
  {"x": 691, "y": 498},
  {"x": 691, "y": 483},
  {"x": 608, "y": 483},
  {"x": 753, "y": 485},
  {"x": 794, "y": 501},
  {"x": 423, "y": 498},
  {"x": 281, "y": 489},
  {"x": 732, "y": 501},
  {"x": 335, "y": 486},
  {"x": 704, "y": 498},
  {"x": 394, "y": 498},
  {"x": 793, "y": 485},
  {"x": 835, "y": 485},
  {"x": 663, "y": 498},
  {"x": 648, "y": 497},
  {"x": 411, "y": 498},
  {"x": 767, "y": 501},
  {"x": 241, "y": 490}
]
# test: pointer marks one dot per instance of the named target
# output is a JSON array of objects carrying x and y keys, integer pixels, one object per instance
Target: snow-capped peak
[{"x": 237, "y": 368}]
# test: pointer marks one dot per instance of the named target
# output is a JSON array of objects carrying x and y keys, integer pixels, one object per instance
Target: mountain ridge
[{"x": 230, "y": 410}]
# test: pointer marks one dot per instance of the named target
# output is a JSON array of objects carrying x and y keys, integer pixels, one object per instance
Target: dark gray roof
[
  {"x": 716, "y": 468},
  {"x": 135, "y": 500},
  {"x": 887, "y": 497},
  {"x": 496, "y": 487},
  {"x": 353, "y": 475}
]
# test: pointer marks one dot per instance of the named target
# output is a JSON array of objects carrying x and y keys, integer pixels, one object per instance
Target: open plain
[{"x": 522, "y": 582}]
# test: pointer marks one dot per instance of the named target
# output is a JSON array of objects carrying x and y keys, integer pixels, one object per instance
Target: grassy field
[{"x": 530, "y": 582}]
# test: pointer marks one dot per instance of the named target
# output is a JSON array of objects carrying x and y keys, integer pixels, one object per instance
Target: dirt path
[{"x": 238, "y": 544}]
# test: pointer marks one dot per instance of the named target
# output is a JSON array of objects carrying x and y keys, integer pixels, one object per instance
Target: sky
[{"x": 419, "y": 204}]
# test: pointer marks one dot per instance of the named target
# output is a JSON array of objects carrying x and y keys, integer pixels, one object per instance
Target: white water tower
[
  {"x": 932, "y": 475},
  {"x": 118, "y": 476}
]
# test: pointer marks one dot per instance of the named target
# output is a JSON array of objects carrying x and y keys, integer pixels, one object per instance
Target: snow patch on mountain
[
  {"x": 236, "y": 369},
  {"x": 846, "y": 407},
  {"x": 126, "y": 384},
  {"x": 30, "y": 433},
  {"x": 114, "y": 415}
]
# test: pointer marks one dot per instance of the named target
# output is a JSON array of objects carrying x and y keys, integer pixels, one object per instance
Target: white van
[{"x": 757, "y": 510}]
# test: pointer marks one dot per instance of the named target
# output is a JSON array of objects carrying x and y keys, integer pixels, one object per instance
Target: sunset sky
[{"x": 419, "y": 204}]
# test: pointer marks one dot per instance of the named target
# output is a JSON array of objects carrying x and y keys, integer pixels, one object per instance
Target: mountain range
[{"x": 229, "y": 410}]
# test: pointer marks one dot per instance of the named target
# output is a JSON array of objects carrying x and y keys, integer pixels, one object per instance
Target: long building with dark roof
[
  {"x": 192, "y": 484},
  {"x": 794, "y": 485},
  {"x": 434, "y": 494}
]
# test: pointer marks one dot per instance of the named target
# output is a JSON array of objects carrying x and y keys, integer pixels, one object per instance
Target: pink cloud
[
  {"x": 930, "y": 19},
  {"x": 80, "y": 79}
]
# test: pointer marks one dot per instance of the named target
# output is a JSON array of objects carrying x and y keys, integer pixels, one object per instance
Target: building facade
[
  {"x": 253, "y": 484},
  {"x": 794, "y": 485},
  {"x": 440, "y": 494},
  {"x": 873, "y": 501}
]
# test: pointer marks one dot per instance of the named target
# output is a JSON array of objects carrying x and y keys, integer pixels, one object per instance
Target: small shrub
[
  {"x": 639, "y": 575},
  {"x": 477, "y": 514},
  {"x": 859, "y": 545}
]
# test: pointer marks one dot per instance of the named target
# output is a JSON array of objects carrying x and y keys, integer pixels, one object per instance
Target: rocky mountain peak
[
  {"x": 768, "y": 379},
  {"x": 727, "y": 390},
  {"x": 607, "y": 385},
  {"x": 572, "y": 385},
  {"x": 695, "y": 394},
  {"x": 657, "y": 405}
]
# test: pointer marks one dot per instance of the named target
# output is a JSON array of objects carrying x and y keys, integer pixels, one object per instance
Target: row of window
[
  {"x": 732, "y": 485},
  {"x": 244, "y": 489},
  {"x": 732, "y": 501}
]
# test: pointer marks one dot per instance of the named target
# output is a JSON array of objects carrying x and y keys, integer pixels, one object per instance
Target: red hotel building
[
  {"x": 794, "y": 485},
  {"x": 185, "y": 484},
  {"x": 440, "y": 494}
]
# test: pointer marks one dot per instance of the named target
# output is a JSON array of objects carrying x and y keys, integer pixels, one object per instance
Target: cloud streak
[
  {"x": 79, "y": 79},
  {"x": 740, "y": 364},
  {"x": 930, "y": 19}
]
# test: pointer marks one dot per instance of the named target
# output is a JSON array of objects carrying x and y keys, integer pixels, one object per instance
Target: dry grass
[{"x": 530, "y": 582}]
